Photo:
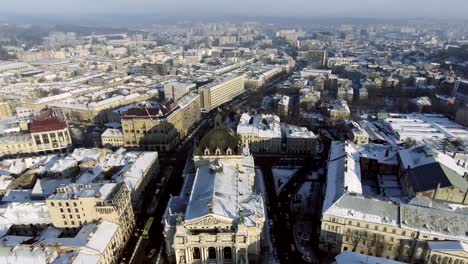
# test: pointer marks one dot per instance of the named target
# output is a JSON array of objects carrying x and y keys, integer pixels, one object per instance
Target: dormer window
[
  {"x": 218, "y": 151},
  {"x": 207, "y": 151},
  {"x": 228, "y": 151}
]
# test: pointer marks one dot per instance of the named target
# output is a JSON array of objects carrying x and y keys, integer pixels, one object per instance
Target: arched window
[
  {"x": 228, "y": 151},
  {"x": 227, "y": 253},
  {"x": 196, "y": 253},
  {"x": 207, "y": 151},
  {"x": 345, "y": 249},
  {"x": 218, "y": 151},
  {"x": 211, "y": 253}
]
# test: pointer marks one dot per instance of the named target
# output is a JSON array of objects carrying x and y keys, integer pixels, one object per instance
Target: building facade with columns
[{"x": 218, "y": 216}]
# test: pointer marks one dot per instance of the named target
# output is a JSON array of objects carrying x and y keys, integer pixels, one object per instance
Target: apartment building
[
  {"x": 176, "y": 90},
  {"x": 220, "y": 91},
  {"x": 75, "y": 205}
]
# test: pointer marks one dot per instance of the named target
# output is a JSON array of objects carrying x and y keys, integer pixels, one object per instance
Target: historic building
[
  {"x": 409, "y": 221},
  {"x": 219, "y": 215},
  {"x": 47, "y": 133},
  {"x": 261, "y": 133},
  {"x": 160, "y": 128}
]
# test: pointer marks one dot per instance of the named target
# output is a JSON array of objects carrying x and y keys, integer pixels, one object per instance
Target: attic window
[
  {"x": 218, "y": 151},
  {"x": 229, "y": 151},
  {"x": 207, "y": 151}
]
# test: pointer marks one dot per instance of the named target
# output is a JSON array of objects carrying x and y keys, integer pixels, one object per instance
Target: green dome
[{"x": 220, "y": 138}]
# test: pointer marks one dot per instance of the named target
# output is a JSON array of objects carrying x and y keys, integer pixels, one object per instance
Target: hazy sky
[{"x": 348, "y": 8}]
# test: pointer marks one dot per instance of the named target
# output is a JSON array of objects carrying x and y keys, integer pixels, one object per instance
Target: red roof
[{"x": 47, "y": 120}]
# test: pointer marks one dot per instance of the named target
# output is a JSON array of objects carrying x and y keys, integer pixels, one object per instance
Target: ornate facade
[{"x": 218, "y": 216}]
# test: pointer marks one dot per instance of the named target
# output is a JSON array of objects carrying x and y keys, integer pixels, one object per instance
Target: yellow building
[
  {"x": 220, "y": 91},
  {"x": 384, "y": 229},
  {"x": 261, "y": 133},
  {"x": 161, "y": 128},
  {"x": 5, "y": 110},
  {"x": 75, "y": 205},
  {"x": 47, "y": 133},
  {"x": 387, "y": 223},
  {"x": 112, "y": 137}
]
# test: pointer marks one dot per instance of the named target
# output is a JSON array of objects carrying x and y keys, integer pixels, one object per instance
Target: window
[
  {"x": 67, "y": 204},
  {"x": 74, "y": 203},
  {"x": 65, "y": 222},
  {"x": 76, "y": 210},
  {"x": 227, "y": 252},
  {"x": 60, "y": 204},
  {"x": 211, "y": 253},
  {"x": 61, "y": 210},
  {"x": 68, "y": 209},
  {"x": 73, "y": 222},
  {"x": 63, "y": 216},
  {"x": 52, "y": 204},
  {"x": 196, "y": 253}
]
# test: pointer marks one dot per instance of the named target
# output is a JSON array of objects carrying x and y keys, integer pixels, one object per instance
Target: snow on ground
[{"x": 282, "y": 176}]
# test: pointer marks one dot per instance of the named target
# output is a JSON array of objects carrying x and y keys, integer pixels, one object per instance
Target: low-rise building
[{"x": 112, "y": 137}]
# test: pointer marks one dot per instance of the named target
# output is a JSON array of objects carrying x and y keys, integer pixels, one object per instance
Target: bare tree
[
  {"x": 356, "y": 236},
  {"x": 379, "y": 245}
]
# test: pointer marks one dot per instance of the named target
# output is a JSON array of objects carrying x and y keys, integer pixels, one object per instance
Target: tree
[
  {"x": 356, "y": 236},
  {"x": 379, "y": 245}
]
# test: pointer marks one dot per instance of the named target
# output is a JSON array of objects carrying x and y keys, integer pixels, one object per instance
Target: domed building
[
  {"x": 219, "y": 216},
  {"x": 219, "y": 141}
]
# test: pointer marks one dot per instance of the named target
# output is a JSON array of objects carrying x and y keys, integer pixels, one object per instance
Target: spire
[{"x": 218, "y": 120}]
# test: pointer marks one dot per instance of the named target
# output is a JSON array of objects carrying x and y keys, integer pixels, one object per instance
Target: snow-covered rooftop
[
  {"x": 264, "y": 126},
  {"x": 227, "y": 189}
]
